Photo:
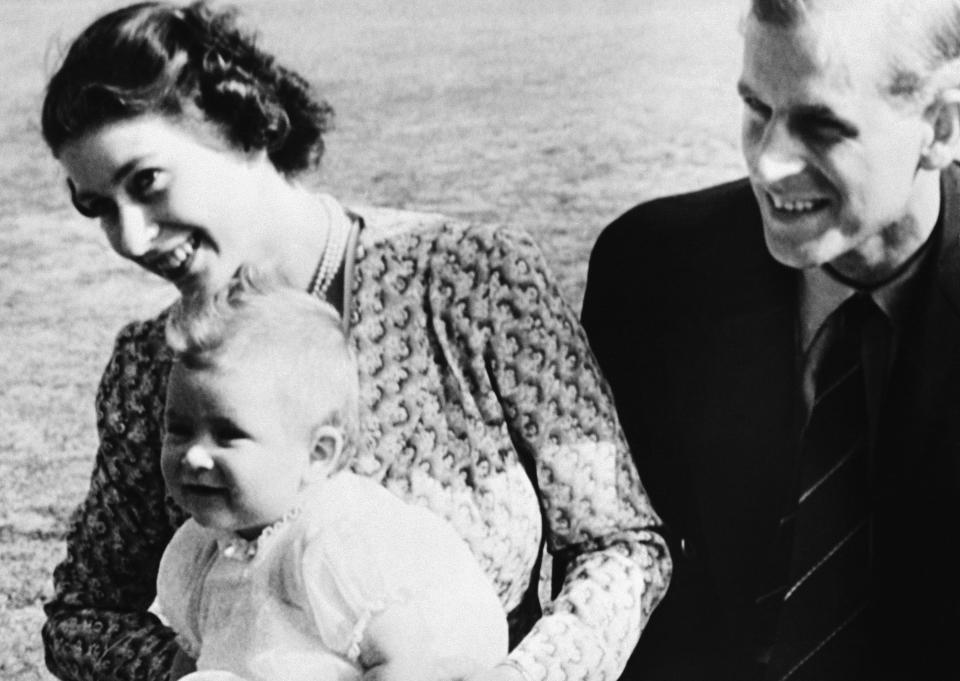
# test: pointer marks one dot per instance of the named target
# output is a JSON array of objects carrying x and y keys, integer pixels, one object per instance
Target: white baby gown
[{"x": 295, "y": 603}]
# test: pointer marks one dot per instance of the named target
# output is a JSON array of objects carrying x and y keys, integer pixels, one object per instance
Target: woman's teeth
[{"x": 176, "y": 258}]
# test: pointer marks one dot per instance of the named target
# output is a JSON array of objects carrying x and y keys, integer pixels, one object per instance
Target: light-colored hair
[
  {"x": 927, "y": 31},
  {"x": 258, "y": 319}
]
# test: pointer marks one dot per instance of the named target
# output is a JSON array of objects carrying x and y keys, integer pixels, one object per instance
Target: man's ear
[
  {"x": 943, "y": 146},
  {"x": 326, "y": 449}
]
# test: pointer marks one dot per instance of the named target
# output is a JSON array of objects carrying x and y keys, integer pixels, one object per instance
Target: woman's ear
[{"x": 943, "y": 144}]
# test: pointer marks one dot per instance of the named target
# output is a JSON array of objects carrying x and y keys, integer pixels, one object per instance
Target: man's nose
[
  {"x": 779, "y": 154},
  {"x": 198, "y": 458},
  {"x": 132, "y": 230}
]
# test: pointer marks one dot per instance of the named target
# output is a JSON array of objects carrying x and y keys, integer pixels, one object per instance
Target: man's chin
[{"x": 807, "y": 253}]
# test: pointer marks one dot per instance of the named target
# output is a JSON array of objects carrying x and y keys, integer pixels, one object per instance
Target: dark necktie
[{"x": 822, "y": 621}]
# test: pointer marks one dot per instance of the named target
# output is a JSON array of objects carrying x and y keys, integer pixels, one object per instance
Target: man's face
[{"x": 833, "y": 160}]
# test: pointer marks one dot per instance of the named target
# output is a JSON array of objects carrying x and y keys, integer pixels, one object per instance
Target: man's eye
[
  {"x": 757, "y": 107},
  {"x": 826, "y": 131}
]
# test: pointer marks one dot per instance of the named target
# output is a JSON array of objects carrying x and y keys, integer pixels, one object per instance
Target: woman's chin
[{"x": 200, "y": 281}]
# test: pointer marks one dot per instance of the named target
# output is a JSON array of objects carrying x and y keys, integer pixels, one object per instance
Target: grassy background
[{"x": 551, "y": 116}]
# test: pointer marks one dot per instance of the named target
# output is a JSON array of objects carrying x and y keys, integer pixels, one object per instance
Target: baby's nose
[{"x": 198, "y": 458}]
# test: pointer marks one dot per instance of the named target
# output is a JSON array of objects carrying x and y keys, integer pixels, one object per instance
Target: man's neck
[{"x": 880, "y": 257}]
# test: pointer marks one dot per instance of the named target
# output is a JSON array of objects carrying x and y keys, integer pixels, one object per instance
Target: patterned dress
[{"x": 479, "y": 399}]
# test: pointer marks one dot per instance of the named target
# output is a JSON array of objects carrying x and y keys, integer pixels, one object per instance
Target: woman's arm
[
  {"x": 562, "y": 421},
  {"x": 98, "y": 627}
]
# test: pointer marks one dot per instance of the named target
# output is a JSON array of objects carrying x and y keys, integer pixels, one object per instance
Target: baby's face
[{"x": 233, "y": 456}]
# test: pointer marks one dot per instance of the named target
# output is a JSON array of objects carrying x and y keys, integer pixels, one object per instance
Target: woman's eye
[
  {"x": 145, "y": 183},
  {"x": 95, "y": 208}
]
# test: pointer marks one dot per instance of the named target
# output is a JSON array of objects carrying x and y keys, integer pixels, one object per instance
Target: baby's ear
[{"x": 327, "y": 445}]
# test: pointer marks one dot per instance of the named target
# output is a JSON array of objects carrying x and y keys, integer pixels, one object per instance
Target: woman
[{"x": 479, "y": 396}]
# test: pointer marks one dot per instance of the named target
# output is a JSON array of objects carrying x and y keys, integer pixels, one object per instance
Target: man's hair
[
  {"x": 159, "y": 58},
  {"x": 927, "y": 32},
  {"x": 259, "y": 320}
]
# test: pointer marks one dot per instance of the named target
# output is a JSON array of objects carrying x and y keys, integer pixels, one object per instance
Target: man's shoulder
[{"x": 674, "y": 216}]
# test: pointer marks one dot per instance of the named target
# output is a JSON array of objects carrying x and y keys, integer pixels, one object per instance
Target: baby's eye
[
  {"x": 225, "y": 438},
  {"x": 225, "y": 432},
  {"x": 176, "y": 430}
]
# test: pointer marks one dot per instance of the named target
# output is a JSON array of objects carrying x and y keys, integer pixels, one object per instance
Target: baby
[{"x": 292, "y": 568}]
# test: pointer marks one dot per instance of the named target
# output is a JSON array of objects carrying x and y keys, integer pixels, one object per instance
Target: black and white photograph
[{"x": 479, "y": 340}]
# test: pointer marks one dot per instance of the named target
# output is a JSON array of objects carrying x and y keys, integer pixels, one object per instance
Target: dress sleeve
[
  {"x": 562, "y": 421},
  {"x": 98, "y": 627}
]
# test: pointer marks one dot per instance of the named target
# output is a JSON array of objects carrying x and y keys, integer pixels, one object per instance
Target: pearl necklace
[{"x": 338, "y": 234}]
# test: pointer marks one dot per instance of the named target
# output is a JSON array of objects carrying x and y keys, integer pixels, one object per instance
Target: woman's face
[{"x": 175, "y": 198}]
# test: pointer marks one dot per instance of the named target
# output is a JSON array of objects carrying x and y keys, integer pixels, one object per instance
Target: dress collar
[{"x": 231, "y": 545}]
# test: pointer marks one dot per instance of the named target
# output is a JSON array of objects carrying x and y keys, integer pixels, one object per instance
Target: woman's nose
[
  {"x": 131, "y": 231},
  {"x": 197, "y": 457}
]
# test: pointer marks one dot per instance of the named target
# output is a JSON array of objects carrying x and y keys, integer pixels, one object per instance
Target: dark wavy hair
[{"x": 159, "y": 58}]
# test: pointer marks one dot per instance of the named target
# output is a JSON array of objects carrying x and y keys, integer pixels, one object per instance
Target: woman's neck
[{"x": 300, "y": 226}]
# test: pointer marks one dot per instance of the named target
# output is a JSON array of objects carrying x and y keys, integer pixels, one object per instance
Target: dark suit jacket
[{"x": 695, "y": 326}]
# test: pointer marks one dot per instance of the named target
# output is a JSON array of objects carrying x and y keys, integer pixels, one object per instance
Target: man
[{"x": 785, "y": 355}]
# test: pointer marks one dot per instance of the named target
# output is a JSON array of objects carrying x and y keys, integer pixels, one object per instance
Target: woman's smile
[
  {"x": 175, "y": 200},
  {"x": 173, "y": 262}
]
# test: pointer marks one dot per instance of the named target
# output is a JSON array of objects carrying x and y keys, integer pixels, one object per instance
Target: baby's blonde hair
[{"x": 259, "y": 318}]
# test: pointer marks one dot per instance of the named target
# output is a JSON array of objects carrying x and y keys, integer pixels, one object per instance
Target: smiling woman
[
  {"x": 479, "y": 397},
  {"x": 181, "y": 202}
]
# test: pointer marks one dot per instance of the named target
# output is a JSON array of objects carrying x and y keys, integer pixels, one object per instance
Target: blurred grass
[{"x": 553, "y": 117}]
